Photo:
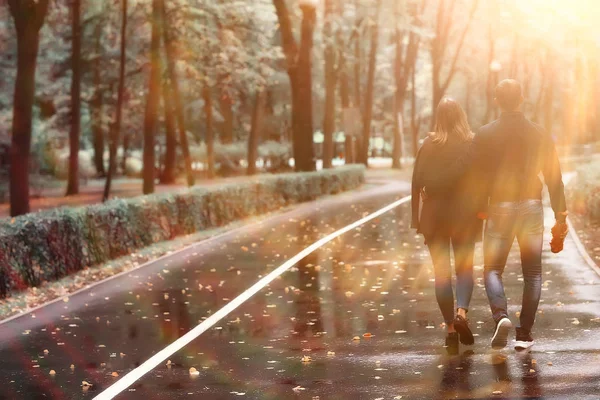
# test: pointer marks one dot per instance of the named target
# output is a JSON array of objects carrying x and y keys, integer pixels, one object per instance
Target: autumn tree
[
  {"x": 331, "y": 74},
  {"x": 175, "y": 94},
  {"x": 368, "y": 109},
  {"x": 442, "y": 52},
  {"x": 152, "y": 99},
  {"x": 299, "y": 69},
  {"x": 28, "y": 17},
  {"x": 115, "y": 132},
  {"x": 75, "y": 132},
  {"x": 407, "y": 38}
]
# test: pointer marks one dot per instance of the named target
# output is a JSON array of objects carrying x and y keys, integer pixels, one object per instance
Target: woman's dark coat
[{"x": 449, "y": 208}]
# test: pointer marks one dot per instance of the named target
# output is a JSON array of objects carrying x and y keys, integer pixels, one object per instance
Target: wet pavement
[{"x": 356, "y": 319}]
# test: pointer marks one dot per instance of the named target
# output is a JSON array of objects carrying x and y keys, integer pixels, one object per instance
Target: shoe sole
[
  {"x": 500, "y": 339},
  {"x": 464, "y": 334},
  {"x": 519, "y": 345}
]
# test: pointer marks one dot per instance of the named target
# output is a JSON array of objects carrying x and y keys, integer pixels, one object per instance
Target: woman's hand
[{"x": 482, "y": 215}]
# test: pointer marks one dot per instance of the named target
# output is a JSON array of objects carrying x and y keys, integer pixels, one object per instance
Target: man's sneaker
[
  {"x": 464, "y": 332},
  {"x": 500, "y": 339},
  {"x": 452, "y": 343},
  {"x": 523, "y": 340}
]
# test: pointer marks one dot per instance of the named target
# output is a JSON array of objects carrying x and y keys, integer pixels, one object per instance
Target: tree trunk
[
  {"x": 210, "y": 138},
  {"x": 514, "y": 66},
  {"x": 75, "y": 132},
  {"x": 357, "y": 60},
  {"x": 549, "y": 104},
  {"x": 28, "y": 20},
  {"x": 152, "y": 101},
  {"x": 116, "y": 126},
  {"x": 227, "y": 112},
  {"x": 345, "y": 99},
  {"x": 126, "y": 145},
  {"x": 177, "y": 98},
  {"x": 415, "y": 119},
  {"x": 254, "y": 138},
  {"x": 168, "y": 174},
  {"x": 368, "y": 112},
  {"x": 304, "y": 158},
  {"x": 400, "y": 79},
  {"x": 299, "y": 72},
  {"x": 398, "y": 149},
  {"x": 491, "y": 77},
  {"x": 330, "y": 85},
  {"x": 96, "y": 108}
]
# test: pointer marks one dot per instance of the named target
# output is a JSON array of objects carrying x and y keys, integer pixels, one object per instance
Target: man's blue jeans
[{"x": 525, "y": 221}]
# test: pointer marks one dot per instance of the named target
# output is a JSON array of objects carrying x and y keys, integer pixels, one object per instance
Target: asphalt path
[{"x": 356, "y": 319}]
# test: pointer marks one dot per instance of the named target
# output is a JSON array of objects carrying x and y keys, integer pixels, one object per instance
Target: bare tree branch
[{"x": 461, "y": 42}]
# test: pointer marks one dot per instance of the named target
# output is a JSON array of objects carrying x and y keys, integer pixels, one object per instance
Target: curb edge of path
[
  {"x": 582, "y": 250},
  {"x": 573, "y": 233}
]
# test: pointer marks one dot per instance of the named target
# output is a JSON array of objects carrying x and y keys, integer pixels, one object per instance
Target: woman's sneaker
[
  {"x": 523, "y": 340},
  {"x": 500, "y": 338},
  {"x": 464, "y": 332},
  {"x": 452, "y": 343}
]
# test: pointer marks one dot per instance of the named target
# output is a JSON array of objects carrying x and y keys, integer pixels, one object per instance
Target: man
[{"x": 510, "y": 153}]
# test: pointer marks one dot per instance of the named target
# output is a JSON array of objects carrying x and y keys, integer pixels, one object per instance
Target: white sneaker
[
  {"x": 500, "y": 338},
  {"x": 524, "y": 340}
]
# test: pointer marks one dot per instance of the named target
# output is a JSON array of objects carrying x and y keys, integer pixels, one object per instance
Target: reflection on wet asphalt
[{"x": 356, "y": 319}]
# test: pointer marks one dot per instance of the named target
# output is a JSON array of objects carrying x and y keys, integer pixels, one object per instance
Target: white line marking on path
[{"x": 183, "y": 341}]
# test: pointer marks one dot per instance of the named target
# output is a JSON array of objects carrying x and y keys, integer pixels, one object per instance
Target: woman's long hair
[{"x": 450, "y": 122}]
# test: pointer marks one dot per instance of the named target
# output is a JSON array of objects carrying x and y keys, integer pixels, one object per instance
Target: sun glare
[{"x": 575, "y": 13}]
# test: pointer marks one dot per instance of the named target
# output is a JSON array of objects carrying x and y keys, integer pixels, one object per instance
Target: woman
[{"x": 448, "y": 216}]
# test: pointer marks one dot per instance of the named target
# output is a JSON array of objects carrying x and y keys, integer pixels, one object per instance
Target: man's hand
[{"x": 559, "y": 233}]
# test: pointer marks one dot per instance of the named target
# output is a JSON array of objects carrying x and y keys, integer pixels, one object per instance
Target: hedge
[
  {"x": 585, "y": 192},
  {"x": 49, "y": 245}
]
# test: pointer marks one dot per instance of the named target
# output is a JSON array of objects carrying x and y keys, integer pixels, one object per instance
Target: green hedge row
[
  {"x": 50, "y": 245},
  {"x": 585, "y": 191}
]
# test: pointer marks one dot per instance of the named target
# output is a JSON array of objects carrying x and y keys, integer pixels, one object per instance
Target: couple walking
[{"x": 462, "y": 179}]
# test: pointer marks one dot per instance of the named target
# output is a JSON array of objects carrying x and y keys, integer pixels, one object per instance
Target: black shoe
[
  {"x": 523, "y": 340},
  {"x": 500, "y": 338},
  {"x": 452, "y": 343},
  {"x": 464, "y": 332}
]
